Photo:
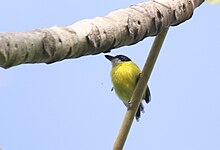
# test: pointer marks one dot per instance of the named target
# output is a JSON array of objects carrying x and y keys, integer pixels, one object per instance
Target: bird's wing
[{"x": 147, "y": 97}]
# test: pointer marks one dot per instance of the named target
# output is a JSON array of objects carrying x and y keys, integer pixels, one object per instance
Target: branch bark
[
  {"x": 93, "y": 36},
  {"x": 139, "y": 89}
]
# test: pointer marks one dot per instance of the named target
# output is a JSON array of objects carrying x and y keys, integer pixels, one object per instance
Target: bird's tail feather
[{"x": 139, "y": 111}]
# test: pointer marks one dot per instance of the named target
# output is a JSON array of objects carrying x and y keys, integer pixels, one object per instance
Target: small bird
[{"x": 125, "y": 75}]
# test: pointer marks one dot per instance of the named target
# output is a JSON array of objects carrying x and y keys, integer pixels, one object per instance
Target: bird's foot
[{"x": 112, "y": 89}]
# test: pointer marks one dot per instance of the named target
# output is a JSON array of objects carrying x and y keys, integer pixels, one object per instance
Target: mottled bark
[{"x": 93, "y": 36}]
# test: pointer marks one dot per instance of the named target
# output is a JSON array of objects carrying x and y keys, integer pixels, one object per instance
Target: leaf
[{"x": 213, "y": 1}]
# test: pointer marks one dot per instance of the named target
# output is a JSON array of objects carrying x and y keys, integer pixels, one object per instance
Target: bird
[{"x": 124, "y": 75}]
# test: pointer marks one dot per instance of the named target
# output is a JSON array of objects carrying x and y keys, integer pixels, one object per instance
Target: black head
[
  {"x": 123, "y": 58},
  {"x": 118, "y": 57}
]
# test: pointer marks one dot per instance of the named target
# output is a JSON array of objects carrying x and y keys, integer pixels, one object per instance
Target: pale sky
[{"x": 69, "y": 104}]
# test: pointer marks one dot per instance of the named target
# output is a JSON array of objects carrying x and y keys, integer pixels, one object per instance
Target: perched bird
[{"x": 125, "y": 75}]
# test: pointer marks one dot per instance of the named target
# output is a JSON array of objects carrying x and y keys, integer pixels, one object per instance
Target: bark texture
[{"x": 93, "y": 36}]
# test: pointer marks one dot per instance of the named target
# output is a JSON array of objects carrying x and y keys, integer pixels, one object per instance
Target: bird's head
[{"x": 117, "y": 59}]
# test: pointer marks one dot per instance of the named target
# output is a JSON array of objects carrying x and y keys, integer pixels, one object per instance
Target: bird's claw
[{"x": 112, "y": 89}]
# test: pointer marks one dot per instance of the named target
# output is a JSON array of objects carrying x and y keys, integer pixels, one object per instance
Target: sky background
[{"x": 69, "y": 104}]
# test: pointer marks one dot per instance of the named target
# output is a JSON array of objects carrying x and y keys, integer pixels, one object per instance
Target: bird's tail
[{"x": 139, "y": 111}]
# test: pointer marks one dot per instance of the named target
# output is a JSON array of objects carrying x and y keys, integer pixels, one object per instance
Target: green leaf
[{"x": 213, "y": 1}]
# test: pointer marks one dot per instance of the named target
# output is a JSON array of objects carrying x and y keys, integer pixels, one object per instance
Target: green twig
[{"x": 138, "y": 92}]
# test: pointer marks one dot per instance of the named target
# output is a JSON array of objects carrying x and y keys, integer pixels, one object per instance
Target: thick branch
[{"x": 88, "y": 37}]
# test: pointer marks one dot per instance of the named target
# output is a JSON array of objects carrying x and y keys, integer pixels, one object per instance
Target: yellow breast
[{"x": 124, "y": 77}]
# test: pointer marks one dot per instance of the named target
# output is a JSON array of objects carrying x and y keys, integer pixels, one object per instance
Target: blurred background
[{"x": 69, "y": 104}]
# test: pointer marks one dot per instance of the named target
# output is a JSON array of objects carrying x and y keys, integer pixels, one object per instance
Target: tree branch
[
  {"x": 138, "y": 92},
  {"x": 93, "y": 36}
]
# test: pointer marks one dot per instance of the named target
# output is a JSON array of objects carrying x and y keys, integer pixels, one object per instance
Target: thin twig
[{"x": 138, "y": 92}]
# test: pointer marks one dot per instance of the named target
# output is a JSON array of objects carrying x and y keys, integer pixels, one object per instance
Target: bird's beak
[{"x": 109, "y": 57}]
